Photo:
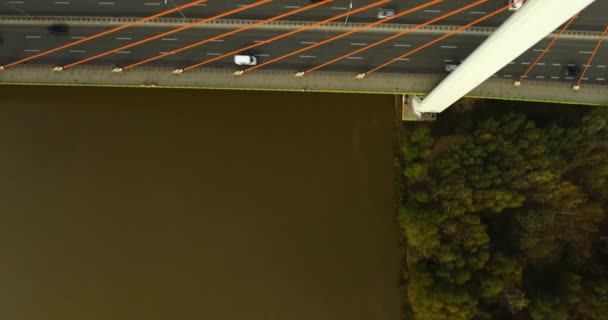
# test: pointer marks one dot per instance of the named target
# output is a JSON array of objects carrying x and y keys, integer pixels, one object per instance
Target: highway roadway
[
  {"x": 25, "y": 41},
  {"x": 593, "y": 18}
]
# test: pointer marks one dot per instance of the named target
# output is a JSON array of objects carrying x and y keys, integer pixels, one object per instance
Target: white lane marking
[
  {"x": 77, "y": 51},
  {"x": 601, "y": 66},
  {"x": 507, "y": 76},
  {"x": 338, "y": 8},
  {"x": 540, "y": 64},
  {"x": 213, "y": 54},
  {"x": 556, "y": 64},
  {"x": 586, "y": 65},
  {"x": 404, "y": 59},
  {"x": 308, "y": 42},
  {"x": 354, "y": 58},
  {"x": 291, "y": 7},
  {"x": 554, "y": 77},
  {"x": 448, "y": 60},
  {"x": 358, "y": 44},
  {"x": 123, "y": 38},
  {"x": 31, "y": 50},
  {"x": 106, "y": 3},
  {"x": 540, "y": 77},
  {"x": 262, "y": 55},
  {"x": 539, "y": 50},
  {"x": 568, "y": 78},
  {"x": 77, "y": 37},
  {"x": 585, "y": 79},
  {"x": 308, "y": 57},
  {"x": 168, "y": 39},
  {"x": 599, "y": 79},
  {"x": 151, "y": 3},
  {"x": 33, "y": 37},
  {"x": 258, "y": 41},
  {"x": 402, "y": 45},
  {"x": 449, "y": 47},
  {"x": 123, "y": 52},
  {"x": 525, "y": 63},
  {"x": 431, "y": 11},
  {"x": 478, "y": 12},
  {"x": 218, "y": 40},
  {"x": 61, "y": 2},
  {"x": 585, "y": 52},
  {"x": 16, "y": 2}
]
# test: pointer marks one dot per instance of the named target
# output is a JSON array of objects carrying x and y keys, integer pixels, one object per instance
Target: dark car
[
  {"x": 572, "y": 70},
  {"x": 60, "y": 30}
]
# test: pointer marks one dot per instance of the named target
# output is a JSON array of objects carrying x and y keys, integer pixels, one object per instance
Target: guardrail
[
  {"x": 283, "y": 80},
  {"x": 274, "y": 25}
]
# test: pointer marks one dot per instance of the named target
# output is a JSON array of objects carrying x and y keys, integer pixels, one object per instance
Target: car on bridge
[
  {"x": 451, "y": 66},
  {"x": 572, "y": 70},
  {"x": 58, "y": 29},
  {"x": 386, "y": 13},
  {"x": 515, "y": 4},
  {"x": 245, "y": 60}
]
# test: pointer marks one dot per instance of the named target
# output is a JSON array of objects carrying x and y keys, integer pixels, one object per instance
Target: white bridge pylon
[{"x": 526, "y": 27}]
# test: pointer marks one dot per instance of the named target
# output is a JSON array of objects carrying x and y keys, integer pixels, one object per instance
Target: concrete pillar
[{"x": 526, "y": 27}]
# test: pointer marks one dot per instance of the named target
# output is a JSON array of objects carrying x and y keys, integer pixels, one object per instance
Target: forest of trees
[{"x": 504, "y": 215}]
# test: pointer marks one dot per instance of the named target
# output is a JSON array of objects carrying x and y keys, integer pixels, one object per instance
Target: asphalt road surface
[
  {"x": 593, "y": 18},
  {"x": 26, "y": 41}
]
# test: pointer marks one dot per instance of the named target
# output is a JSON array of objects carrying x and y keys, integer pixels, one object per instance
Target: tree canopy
[{"x": 490, "y": 202}]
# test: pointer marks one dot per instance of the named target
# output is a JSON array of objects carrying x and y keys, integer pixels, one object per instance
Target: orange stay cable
[
  {"x": 597, "y": 47},
  {"x": 447, "y": 35},
  {"x": 101, "y": 34},
  {"x": 158, "y": 36},
  {"x": 228, "y": 33},
  {"x": 547, "y": 48},
  {"x": 367, "y": 26},
  {"x": 402, "y": 33},
  {"x": 310, "y": 26}
]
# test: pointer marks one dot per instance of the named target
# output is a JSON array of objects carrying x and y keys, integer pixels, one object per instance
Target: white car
[
  {"x": 245, "y": 60},
  {"x": 385, "y": 13},
  {"x": 515, "y": 4},
  {"x": 451, "y": 66}
]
